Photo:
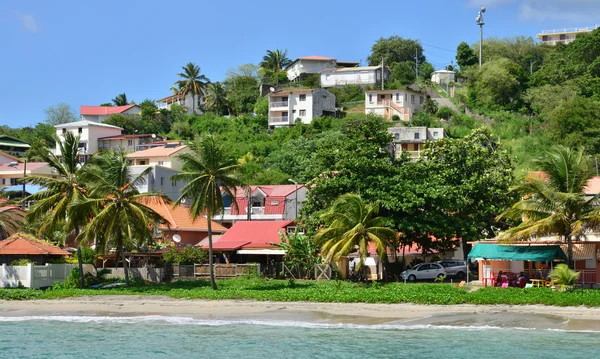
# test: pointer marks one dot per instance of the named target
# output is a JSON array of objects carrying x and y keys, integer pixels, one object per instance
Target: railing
[
  {"x": 279, "y": 119},
  {"x": 253, "y": 210},
  {"x": 227, "y": 270},
  {"x": 573, "y": 29},
  {"x": 587, "y": 277},
  {"x": 279, "y": 104}
]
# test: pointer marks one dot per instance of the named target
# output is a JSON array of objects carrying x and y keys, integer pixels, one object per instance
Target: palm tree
[
  {"x": 555, "y": 204},
  {"x": 52, "y": 205},
  {"x": 352, "y": 224},
  {"x": 192, "y": 82},
  {"x": 11, "y": 217},
  {"x": 275, "y": 61},
  {"x": 216, "y": 97},
  {"x": 209, "y": 173},
  {"x": 120, "y": 100},
  {"x": 121, "y": 217}
]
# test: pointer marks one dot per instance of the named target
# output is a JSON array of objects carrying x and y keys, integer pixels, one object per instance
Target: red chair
[{"x": 521, "y": 281}]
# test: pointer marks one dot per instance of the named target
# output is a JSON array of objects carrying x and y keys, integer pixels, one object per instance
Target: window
[
  {"x": 161, "y": 163},
  {"x": 421, "y": 99},
  {"x": 435, "y": 133},
  {"x": 79, "y": 130},
  {"x": 397, "y": 136},
  {"x": 4, "y": 181},
  {"x": 173, "y": 183},
  {"x": 370, "y": 97},
  {"x": 129, "y": 143},
  {"x": 81, "y": 159},
  {"x": 424, "y": 267},
  {"x": 275, "y": 202},
  {"x": 302, "y": 112},
  {"x": 303, "y": 97},
  {"x": 412, "y": 98},
  {"x": 397, "y": 97},
  {"x": 64, "y": 131},
  {"x": 141, "y": 162},
  {"x": 162, "y": 181},
  {"x": 416, "y": 135},
  {"x": 290, "y": 230}
]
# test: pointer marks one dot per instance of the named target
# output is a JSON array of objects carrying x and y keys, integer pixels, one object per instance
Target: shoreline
[{"x": 525, "y": 316}]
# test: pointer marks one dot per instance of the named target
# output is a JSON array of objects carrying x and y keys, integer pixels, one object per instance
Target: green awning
[{"x": 517, "y": 253}]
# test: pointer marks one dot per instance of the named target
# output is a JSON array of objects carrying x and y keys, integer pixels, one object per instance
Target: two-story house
[
  {"x": 285, "y": 107},
  {"x": 411, "y": 139},
  {"x": 387, "y": 103},
  {"x": 362, "y": 76},
  {"x": 184, "y": 100},
  {"x": 101, "y": 113},
  {"x": 166, "y": 156},
  {"x": 313, "y": 65},
  {"x": 263, "y": 203},
  {"x": 127, "y": 143},
  {"x": 563, "y": 36},
  {"x": 13, "y": 146},
  {"x": 90, "y": 133},
  {"x": 12, "y": 172}
]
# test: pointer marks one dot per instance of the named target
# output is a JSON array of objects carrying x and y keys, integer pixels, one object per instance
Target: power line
[{"x": 437, "y": 47}]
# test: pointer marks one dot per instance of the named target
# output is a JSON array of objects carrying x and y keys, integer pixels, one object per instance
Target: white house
[
  {"x": 363, "y": 76},
  {"x": 411, "y": 139},
  {"x": 443, "y": 76},
  {"x": 159, "y": 180},
  {"x": 12, "y": 172},
  {"x": 313, "y": 65},
  {"x": 90, "y": 132},
  {"x": 285, "y": 107},
  {"x": 165, "y": 156},
  {"x": 186, "y": 101},
  {"x": 387, "y": 103},
  {"x": 101, "y": 113},
  {"x": 563, "y": 36}
]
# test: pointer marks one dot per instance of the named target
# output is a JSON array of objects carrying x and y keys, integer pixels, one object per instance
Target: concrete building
[
  {"x": 387, "y": 103},
  {"x": 412, "y": 139},
  {"x": 313, "y": 65},
  {"x": 362, "y": 76},
  {"x": 159, "y": 180},
  {"x": 13, "y": 147},
  {"x": 101, "y": 113},
  {"x": 285, "y": 107},
  {"x": 165, "y": 156},
  {"x": 186, "y": 101},
  {"x": 90, "y": 133},
  {"x": 443, "y": 76},
  {"x": 563, "y": 36}
]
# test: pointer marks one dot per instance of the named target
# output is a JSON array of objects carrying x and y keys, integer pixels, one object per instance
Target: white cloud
[
  {"x": 578, "y": 12},
  {"x": 27, "y": 21}
]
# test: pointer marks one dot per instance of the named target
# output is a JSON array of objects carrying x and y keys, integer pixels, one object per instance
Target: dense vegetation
[{"x": 329, "y": 291}]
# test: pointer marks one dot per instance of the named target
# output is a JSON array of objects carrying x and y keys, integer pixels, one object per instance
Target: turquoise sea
[{"x": 183, "y": 337}]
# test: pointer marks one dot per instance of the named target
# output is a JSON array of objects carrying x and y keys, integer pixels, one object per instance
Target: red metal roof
[
  {"x": 251, "y": 235},
  {"x": 23, "y": 244},
  {"x": 274, "y": 201},
  {"x": 103, "y": 110}
]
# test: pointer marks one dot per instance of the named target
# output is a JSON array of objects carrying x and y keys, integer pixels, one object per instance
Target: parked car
[
  {"x": 424, "y": 271},
  {"x": 454, "y": 268}
]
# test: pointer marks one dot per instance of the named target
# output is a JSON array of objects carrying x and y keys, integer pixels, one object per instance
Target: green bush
[
  {"x": 445, "y": 113},
  {"x": 189, "y": 255},
  {"x": 21, "y": 262}
]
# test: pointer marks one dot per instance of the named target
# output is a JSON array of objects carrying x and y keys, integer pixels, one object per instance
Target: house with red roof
[
  {"x": 101, "y": 113},
  {"x": 263, "y": 203},
  {"x": 251, "y": 241},
  {"x": 288, "y": 106},
  {"x": 313, "y": 65},
  {"x": 23, "y": 246}
]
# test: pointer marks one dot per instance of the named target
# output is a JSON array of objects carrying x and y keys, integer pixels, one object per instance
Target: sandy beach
[{"x": 529, "y": 316}]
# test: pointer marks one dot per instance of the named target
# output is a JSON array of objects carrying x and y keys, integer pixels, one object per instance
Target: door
[{"x": 424, "y": 271}]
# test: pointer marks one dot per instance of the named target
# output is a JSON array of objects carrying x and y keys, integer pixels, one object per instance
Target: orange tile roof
[
  {"x": 23, "y": 244},
  {"x": 180, "y": 218},
  {"x": 156, "y": 152}
]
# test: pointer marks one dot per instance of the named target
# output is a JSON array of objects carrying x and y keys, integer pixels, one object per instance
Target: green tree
[
  {"x": 209, "y": 173},
  {"x": 120, "y": 100},
  {"x": 425, "y": 70},
  {"x": 555, "y": 204},
  {"x": 575, "y": 122},
  {"x": 564, "y": 277},
  {"x": 429, "y": 106},
  {"x": 499, "y": 83},
  {"x": 465, "y": 56},
  {"x": 191, "y": 81},
  {"x": 350, "y": 224},
  {"x": 402, "y": 75},
  {"x": 242, "y": 92},
  {"x": 395, "y": 49},
  {"x": 216, "y": 98},
  {"x": 301, "y": 252},
  {"x": 11, "y": 217},
  {"x": 275, "y": 61},
  {"x": 59, "y": 114},
  {"x": 120, "y": 216},
  {"x": 52, "y": 206}
]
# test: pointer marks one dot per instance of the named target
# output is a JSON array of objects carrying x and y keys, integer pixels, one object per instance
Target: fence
[
  {"x": 145, "y": 273},
  {"x": 32, "y": 276},
  {"x": 227, "y": 270}
]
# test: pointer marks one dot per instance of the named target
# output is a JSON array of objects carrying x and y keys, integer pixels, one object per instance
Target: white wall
[
  {"x": 89, "y": 135},
  {"x": 159, "y": 180},
  {"x": 358, "y": 77},
  {"x": 308, "y": 67},
  {"x": 290, "y": 203},
  {"x": 323, "y": 100}
]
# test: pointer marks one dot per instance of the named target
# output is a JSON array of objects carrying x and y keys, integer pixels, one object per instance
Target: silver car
[
  {"x": 424, "y": 271},
  {"x": 454, "y": 268}
]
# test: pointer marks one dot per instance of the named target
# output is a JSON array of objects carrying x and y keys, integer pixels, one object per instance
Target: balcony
[
  {"x": 167, "y": 105},
  {"x": 279, "y": 120},
  {"x": 279, "y": 104}
]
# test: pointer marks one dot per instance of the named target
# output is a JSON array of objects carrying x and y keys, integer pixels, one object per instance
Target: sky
[{"x": 87, "y": 52}]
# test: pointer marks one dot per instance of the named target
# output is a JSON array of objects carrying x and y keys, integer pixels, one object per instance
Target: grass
[{"x": 328, "y": 291}]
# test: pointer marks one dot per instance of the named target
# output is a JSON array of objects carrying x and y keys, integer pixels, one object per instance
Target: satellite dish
[
  {"x": 177, "y": 238},
  {"x": 272, "y": 89},
  {"x": 183, "y": 200},
  {"x": 153, "y": 136}
]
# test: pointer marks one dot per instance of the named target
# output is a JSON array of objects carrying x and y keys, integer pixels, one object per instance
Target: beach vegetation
[
  {"x": 210, "y": 174},
  {"x": 564, "y": 278},
  {"x": 301, "y": 252},
  {"x": 187, "y": 255},
  {"x": 21, "y": 262}
]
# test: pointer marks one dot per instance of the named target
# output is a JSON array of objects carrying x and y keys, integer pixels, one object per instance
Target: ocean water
[{"x": 183, "y": 337}]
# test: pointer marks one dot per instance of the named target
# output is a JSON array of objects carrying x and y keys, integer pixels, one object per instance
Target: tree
[
  {"x": 246, "y": 70},
  {"x": 499, "y": 83},
  {"x": 395, "y": 49},
  {"x": 59, "y": 114},
  {"x": 465, "y": 56},
  {"x": 555, "y": 203},
  {"x": 215, "y": 98},
  {"x": 301, "y": 252},
  {"x": 575, "y": 122},
  {"x": 242, "y": 93},
  {"x": 275, "y": 61},
  {"x": 120, "y": 100},
  {"x": 209, "y": 173},
  {"x": 425, "y": 70},
  {"x": 352, "y": 224},
  {"x": 53, "y": 205},
  {"x": 120, "y": 216},
  {"x": 11, "y": 217},
  {"x": 191, "y": 81},
  {"x": 402, "y": 75},
  {"x": 430, "y": 107}
]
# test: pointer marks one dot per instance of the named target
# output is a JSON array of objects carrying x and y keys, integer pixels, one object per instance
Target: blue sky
[{"x": 87, "y": 52}]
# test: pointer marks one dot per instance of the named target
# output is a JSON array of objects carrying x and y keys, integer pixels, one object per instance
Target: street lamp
[
  {"x": 479, "y": 21},
  {"x": 295, "y": 183}
]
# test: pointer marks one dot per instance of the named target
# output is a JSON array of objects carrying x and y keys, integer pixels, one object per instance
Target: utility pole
[
  {"x": 531, "y": 67},
  {"x": 417, "y": 62},
  {"x": 382, "y": 74},
  {"x": 480, "y": 22},
  {"x": 24, "y": 175}
]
